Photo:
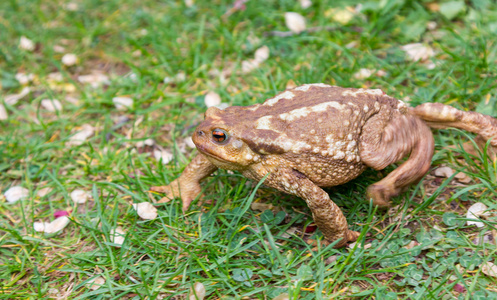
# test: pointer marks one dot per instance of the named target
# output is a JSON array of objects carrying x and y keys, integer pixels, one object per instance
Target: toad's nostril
[{"x": 200, "y": 133}]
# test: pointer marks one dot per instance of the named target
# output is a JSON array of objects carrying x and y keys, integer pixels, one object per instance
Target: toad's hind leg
[
  {"x": 438, "y": 115},
  {"x": 381, "y": 146}
]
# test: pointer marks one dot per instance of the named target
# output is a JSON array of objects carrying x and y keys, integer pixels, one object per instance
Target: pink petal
[{"x": 60, "y": 213}]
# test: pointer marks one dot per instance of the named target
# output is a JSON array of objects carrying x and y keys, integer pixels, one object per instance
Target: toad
[{"x": 316, "y": 136}]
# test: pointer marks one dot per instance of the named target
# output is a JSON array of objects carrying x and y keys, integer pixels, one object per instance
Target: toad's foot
[
  {"x": 187, "y": 186},
  {"x": 187, "y": 191},
  {"x": 326, "y": 214}
]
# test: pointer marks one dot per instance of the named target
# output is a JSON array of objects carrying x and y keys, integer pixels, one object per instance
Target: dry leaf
[
  {"x": 443, "y": 172},
  {"x": 3, "y": 113},
  {"x": 418, "y": 51},
  {"x": 163, "y": 155},
  {"x": 13, "y": 99},
  {"x": 26, "y": 44},
  {"x": 79, "y": 196},
  {"x": 212, "y": 99},
  {"x": 198, "y": 291},
  {"x": 364, "y": 73},
  {"x": 145, "y": 210},
  {"x": 52, "y": 227},
  {"x": 261, "y": 206},
  {"x": 81, "y": 136},
  {"x": 16, "y": 193},
  {"x": 51, "y": 104},
  {"x": 96, "y": 283},
  {"x": 489, "y": 269},
  {"x": 474, "y": 212},
  {"x": 305, "y": 3},
  {"x": 122, "y": 103},
  {"x": 117, "y": 236},
  {"x": 295, "y": 22},
  {"x": 69, "y": 59}
]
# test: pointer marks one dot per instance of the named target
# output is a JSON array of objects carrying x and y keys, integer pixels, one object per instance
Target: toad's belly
[{"x": 332, "y": 173}]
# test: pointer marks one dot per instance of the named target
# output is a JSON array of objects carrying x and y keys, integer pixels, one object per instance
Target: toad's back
[{"x": 315, "y": 129}]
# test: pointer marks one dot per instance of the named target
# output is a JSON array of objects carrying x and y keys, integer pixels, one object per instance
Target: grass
[{"x": 234, "y": 251}]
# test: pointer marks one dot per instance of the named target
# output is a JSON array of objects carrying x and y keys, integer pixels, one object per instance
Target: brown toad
[{"x": 318, "y": 135}]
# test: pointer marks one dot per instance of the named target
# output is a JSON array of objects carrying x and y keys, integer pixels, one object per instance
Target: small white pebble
[
  {"x": 212, "y": 99},
  {"x": 96, "y": 283},
  {"x": 16, "y": 193},
  {"x": 95, "y": 79},
  {"x": 261, "y": 54},
  {"x": 474, "y": 212},
  {"x": 163, "y": 155},
  {"x": 117, "y": 236},
  {"x": 26, "y": 44},
  {"x": 3, "y": 113},
  {"x": 52, "y": 227},
  {"x": 145, "y": 210},
  {"x": 305, "y": 3},
  {"x": 81, "y": 136},
  {"x": 443, "y": 172},
  {"x": 55, "y": 76},
  {"x": 295, "y": 22},
  {"x": 14, "y": 98},
  {"x": 59, "y": 49},
  {"x": 44, "y": 191},
  {"x": 79, "y": 196},
  {"x": 342, "y": 15},
  {"x": 51, "y": 104},
  {"x": 71, "y": 6},
  {"x": 363, "y": 73},
  {"x": 431, "y": 25},
  {"x": 24, "y": 78},
  {"x": 198, "y": 292},
  {"x": 147, "y": 142},
  {"x": 189, "y": 142},
  {"x": 489, "y": 268},
  {"x": 122, "y": 103},
  {"x": 69, "y": 59},
  {"x": 418, "y": 51},
  {"x": 250, "y": 65}
]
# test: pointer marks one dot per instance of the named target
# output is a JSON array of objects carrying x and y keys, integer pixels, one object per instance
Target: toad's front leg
[
  {"x": 187, "y": 185},
  {"x": 327, "y": 215}
]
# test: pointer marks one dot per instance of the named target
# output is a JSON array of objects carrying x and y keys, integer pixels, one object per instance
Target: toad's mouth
[{"x": 205, "y": 151}]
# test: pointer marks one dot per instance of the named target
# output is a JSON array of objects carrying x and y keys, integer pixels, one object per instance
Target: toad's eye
[{"x": 220, "y": 136}]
